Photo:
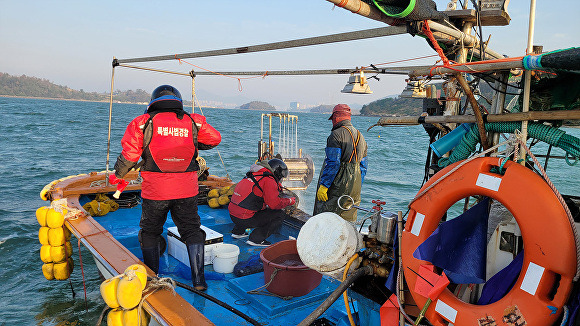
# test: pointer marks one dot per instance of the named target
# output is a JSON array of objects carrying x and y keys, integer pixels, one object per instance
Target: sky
[{"x": 72, "y": 43}]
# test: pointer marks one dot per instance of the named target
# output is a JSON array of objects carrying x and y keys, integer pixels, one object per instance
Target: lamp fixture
[{"x": 357, "y": 84}]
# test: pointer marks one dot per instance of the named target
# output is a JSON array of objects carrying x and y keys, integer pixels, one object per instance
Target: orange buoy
[{"x": 549, "y": 265}]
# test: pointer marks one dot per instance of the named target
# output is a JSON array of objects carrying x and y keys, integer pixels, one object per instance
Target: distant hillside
[
  {"x": 25, "y": 86},
  {"x": 257, "y": 105},
  {"x": 393, "y": 106},
  {"x": 325, "y": 108}
]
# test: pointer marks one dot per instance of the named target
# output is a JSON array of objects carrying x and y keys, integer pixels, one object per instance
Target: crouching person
[{"x": 256, "y": 202}]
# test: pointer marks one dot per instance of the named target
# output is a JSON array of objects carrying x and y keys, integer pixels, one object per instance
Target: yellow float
[
  {"x": 56, "y": 236},
  {"x": 47, "y": 271},
  {"x": 62, "y": 270},
  {"x": 43, "y": 235},
  {"x": 140, "y": 272},
  {"x": 115, "y": 317},
  {"x": 224, "y": 200},
  {"x": 58, "y": 254},
  {"x": 129, "y": 291},
  {"x": 131, "y": 317},
  {"x": 41, "y": 215},
  {"x": 55, "y": 219},
  {"x": 45, "y": 254},
  {"x": 109, "y": 291},
  {"x": 214, "y": 193},
  {"x": 213, "y": 203}
]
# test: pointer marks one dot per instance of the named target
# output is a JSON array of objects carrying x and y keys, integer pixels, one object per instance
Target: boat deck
[{"x": 266, "y": 309}]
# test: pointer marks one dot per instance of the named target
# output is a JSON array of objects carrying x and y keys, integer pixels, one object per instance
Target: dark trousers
[
  {"x": 264, "y": 223},
  {"x": 184, "y": 215}
]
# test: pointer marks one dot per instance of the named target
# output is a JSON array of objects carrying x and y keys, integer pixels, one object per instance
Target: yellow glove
[{"x": 322, "y": 194}]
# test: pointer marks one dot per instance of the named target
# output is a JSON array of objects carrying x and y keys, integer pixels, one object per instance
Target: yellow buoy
[
  {"x": 58, "y": 253},
  {"x": 109, "y": 291},
  {"x": 231, "y": 190},
  {"x": 214, "y": 193},
  {"x": 56, "y": 236},
  {"x": 68, "y": 249},
  {"x": 43, "y": 235},
  {"x": 47, "y": 271},
  {"x": 141, "y": 273},
  {"x": 115, "y": 317},
  {"x": 54, "y": 219},
  {"x": 41, "y": 215},
  {"x": 131, "y": 317},
  {"x": 129, "y": 291},
  {"x": 61, "y": 270},
  {"x": 224, "y": 200},
  {"x": 213, "y": 203},
  {"x": 45, "y": 254},
  {"x": 224, "y": 190}
]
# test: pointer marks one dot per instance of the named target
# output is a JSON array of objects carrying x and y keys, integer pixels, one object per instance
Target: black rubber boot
[
  {"x": 196, "y": 252},
  {"x": 151, "y": 258}
]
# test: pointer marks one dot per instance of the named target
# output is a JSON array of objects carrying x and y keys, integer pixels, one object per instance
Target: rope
[
  {"x": 223, "y": 75},
  {"x": 560, "y": 199},
  {"x": 419, "y": 195},
  {"x": 259, "y": 289},
  {"x": 196, "y": 101},
  {"x": 429, "y": 34}
]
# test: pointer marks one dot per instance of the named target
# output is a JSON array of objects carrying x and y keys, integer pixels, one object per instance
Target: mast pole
[
  {"x": 528, "y": 79},
  {"x": 115, "y": 63}
]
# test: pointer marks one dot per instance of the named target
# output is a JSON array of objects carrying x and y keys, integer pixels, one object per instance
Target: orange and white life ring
[{"x": 549, "y": 266}]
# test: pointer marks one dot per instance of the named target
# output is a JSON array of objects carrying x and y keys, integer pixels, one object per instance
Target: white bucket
[
  {"x": 326, "y": 242},
  {"x": 225, "y": 257}
]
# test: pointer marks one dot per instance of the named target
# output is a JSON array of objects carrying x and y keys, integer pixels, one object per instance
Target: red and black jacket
[
  {"x": 257, "y": 191},
  {"x": 168, "y": 142}
]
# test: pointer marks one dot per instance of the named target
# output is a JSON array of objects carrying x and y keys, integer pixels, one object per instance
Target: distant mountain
[
  {"x": 257, "y": 105},
  {"x": 325, "y": 108},
  {"x": 25, "y": 86}
]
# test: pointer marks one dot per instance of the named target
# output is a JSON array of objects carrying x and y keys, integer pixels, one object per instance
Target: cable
[
  {"x": 367, "y": 270},
  {"x": 221, "y": 303}
]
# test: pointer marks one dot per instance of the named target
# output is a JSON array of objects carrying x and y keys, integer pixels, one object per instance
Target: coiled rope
[{"x": 548, "y": 134}]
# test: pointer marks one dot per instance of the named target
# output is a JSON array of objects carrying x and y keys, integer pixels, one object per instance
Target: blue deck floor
[{"x": 268, "y": 310}]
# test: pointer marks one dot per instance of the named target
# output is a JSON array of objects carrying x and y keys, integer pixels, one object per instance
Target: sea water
[{"x": 44, "y": 140}]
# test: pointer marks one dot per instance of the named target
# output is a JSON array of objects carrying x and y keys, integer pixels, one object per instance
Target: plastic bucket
[
  {"x": 285, "y": 272},
  {"x": 326, "y": 242},
  {"x": 225, "y": 257},
  {"x": 449, "y": 141}
]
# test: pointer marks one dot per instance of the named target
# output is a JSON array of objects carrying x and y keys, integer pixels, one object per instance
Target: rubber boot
[
  {"x": 151, "y": 258},
  {"x": 196, "y": 262}
]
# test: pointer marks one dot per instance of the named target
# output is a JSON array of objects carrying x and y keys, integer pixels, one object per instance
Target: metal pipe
[
  {"x": 110, "y": 119},
  {"x": 325, "y": 39},
  {"x": 527, "y": 80},
  {"x": 520, "y": 116}
]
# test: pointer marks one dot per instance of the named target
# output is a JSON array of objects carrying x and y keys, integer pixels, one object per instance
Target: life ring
[{"x": 549, "y": 265}]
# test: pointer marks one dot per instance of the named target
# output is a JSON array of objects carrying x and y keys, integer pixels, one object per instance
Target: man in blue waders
[
  {"x": 167, "y": 139},
  {"x": 344, "y": 167}
]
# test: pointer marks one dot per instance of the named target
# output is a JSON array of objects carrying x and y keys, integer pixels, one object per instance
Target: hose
[
  {"x": 221, "y": 303},
  {"x": 367, "y": 270},
  {"x": 344, "y": 295},
  {"x": 550, "y": 135}
]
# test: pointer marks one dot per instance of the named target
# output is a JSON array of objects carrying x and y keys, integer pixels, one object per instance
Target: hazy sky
[{"x": 72, "y": 43}]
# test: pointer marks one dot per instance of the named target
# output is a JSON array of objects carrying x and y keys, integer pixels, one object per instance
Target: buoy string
[{"x": 83, "y": 274}]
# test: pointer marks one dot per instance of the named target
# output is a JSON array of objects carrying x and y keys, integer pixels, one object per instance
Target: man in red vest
[
  {"x": 167, "y": 139},
  {"x": 256, "y": 202}
]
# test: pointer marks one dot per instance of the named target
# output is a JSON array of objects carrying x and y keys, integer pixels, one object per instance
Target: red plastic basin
[{"x": 292, "y": 277}]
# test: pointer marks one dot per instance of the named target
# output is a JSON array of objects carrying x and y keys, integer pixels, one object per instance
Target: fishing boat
[{"x": 422, "y": 267}]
